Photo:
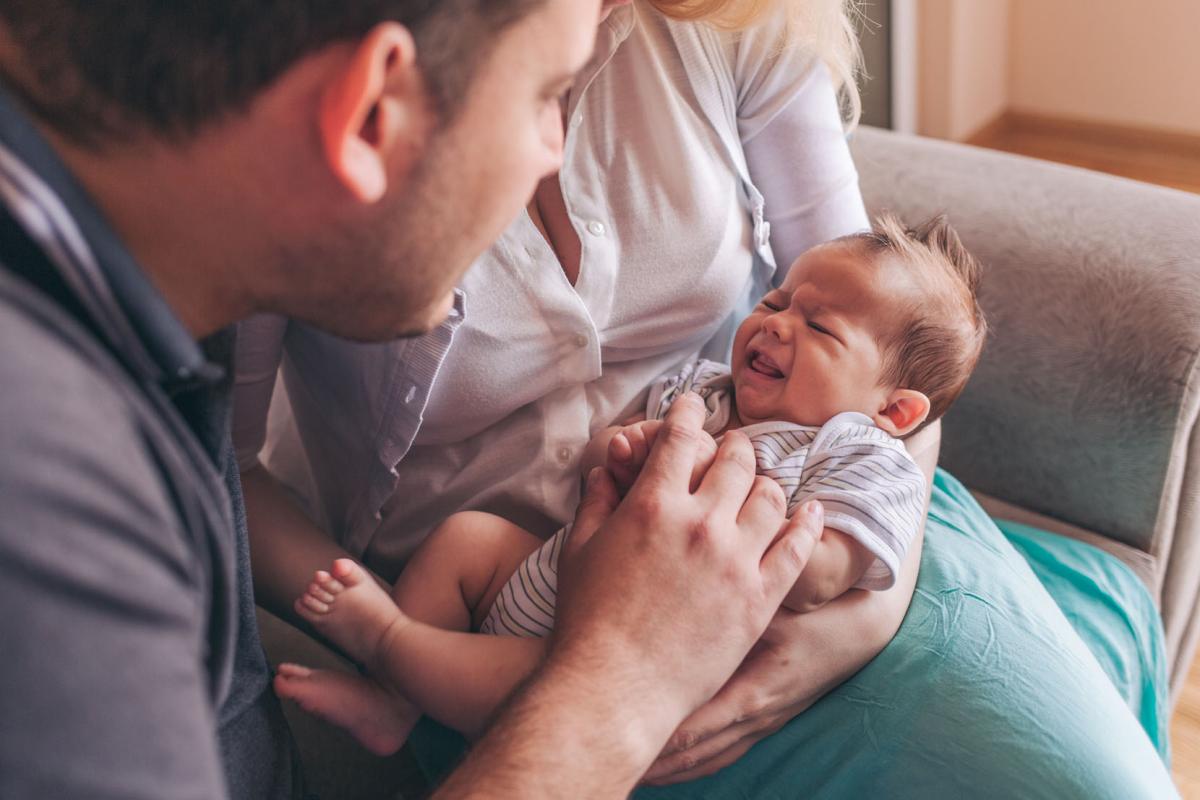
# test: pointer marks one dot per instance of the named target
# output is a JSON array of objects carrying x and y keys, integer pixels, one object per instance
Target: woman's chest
[{"x": 664, "y": 253}]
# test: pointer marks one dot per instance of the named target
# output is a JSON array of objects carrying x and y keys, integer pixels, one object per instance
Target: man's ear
[
  {"x": 902, "y": 412},
  {"x": 377, "y": 102}
]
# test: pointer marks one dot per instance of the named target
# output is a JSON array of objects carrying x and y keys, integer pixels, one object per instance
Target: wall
[
  {"x": 1129, "y": 62},
  {"x": 963, "y": 57}
]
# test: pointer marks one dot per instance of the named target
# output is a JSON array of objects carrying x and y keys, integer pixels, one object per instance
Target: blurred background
[{"x": 1112, "y": 86}]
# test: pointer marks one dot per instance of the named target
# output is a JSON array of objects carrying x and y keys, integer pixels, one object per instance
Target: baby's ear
[{"x": 902, "y": 412}]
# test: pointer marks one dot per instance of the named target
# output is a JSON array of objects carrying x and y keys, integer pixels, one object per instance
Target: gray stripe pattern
[{"x": 870, "y": 487}]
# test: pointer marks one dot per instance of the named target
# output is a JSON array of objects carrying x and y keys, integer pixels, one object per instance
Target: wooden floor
[
  {"x": 1185, "y": 737},
  {"x": 1169, "y": 160}
]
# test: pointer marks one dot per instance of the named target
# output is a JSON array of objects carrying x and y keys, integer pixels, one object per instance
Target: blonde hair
[{"x": 826, "y": 28}]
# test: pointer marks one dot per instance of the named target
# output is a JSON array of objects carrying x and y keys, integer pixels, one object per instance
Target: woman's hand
[{"x": 798, "y": 660}]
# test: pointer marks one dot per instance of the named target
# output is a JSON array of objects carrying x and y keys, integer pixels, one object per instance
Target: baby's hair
[{"x": 935, "y": 348}]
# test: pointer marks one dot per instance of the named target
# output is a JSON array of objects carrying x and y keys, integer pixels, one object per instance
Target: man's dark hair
[{"x": 96, "y": 70}]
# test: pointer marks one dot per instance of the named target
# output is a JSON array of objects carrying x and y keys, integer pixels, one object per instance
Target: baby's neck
[{"x": 735, "y": 419}]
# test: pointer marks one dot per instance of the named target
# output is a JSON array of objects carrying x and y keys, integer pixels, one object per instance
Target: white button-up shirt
[{"x": 684, "y": 148}]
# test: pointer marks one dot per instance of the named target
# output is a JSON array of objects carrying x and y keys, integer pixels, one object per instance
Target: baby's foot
[
  {"x": 351, "y": 610},
  {"x": 380, "y": 720}
]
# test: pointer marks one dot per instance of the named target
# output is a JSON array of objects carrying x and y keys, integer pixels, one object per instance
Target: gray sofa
[{"x": 1082, "y": 416}]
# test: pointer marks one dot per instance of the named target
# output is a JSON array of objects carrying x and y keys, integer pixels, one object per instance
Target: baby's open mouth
[{"x": 763, "y": 365}]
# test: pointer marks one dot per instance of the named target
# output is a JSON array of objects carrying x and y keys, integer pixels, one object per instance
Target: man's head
[
  {"x": 885, "y": 323},
  {"x": 356, "y": 156}
]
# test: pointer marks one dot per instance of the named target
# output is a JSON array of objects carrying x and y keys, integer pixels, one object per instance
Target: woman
[{"x": 695, "y": 161}]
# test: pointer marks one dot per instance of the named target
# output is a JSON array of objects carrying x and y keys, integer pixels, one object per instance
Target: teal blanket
[{"x": 1028, "y": 666}]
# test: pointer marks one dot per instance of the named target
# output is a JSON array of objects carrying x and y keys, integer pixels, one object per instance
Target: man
[{"x": 167, "y": 168}]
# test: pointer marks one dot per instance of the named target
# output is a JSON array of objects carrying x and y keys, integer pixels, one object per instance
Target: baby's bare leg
[
  {"x": 454, "y": 577},
  {"x": 349, "y": 614},
  {"x": 450, "y": 583}
]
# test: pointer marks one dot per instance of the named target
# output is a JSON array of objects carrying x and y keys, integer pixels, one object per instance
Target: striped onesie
[{"x": 869, "y": 486}]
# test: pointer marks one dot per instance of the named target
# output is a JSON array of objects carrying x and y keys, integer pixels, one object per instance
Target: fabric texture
[
  {"x": 526, "y": 604},
  {"x": 871, "y": 488},
  {"x": 987, "y": 691},
  {"x": 123, "y": 530},
  {"x": 671, "y": 233},
  {"x": 1084, "y": 406}
]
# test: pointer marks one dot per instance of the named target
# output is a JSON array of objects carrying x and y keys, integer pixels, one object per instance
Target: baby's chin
[{"x": 753, "y": 408}]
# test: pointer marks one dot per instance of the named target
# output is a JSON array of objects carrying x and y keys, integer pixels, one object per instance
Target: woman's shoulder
[{"x": 769, "y": 39}]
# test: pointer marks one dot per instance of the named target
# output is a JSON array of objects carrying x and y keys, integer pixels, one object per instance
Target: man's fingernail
[{"x": 593, "y": 477}]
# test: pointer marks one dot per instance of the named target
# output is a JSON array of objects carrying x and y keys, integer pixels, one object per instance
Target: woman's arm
[
  {"x": 788, "y": 115},
  {"x": 799, "y": 659},
  {"x": 285, "y": 546}
]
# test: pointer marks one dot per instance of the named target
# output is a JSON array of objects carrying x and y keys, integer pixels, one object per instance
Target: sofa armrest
[{"x": 1084, "y": 406}]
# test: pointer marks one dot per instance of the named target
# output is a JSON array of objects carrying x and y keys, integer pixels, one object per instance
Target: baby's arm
[{"x": 837, "y": 563}]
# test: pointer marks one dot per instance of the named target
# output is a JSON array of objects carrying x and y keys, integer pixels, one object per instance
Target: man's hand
[
  {"x": 798, "y": 660},
  {"x": 630, "y": 446},
  {"x": 661, "y": 599}
]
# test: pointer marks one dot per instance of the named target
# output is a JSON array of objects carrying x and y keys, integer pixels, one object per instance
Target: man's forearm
[{"x": 561, "y": 737}]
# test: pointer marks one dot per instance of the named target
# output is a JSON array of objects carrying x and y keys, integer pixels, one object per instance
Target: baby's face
[{"x": 810, "y": 349}]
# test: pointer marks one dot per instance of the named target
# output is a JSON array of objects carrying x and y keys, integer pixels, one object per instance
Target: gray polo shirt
[{"x": 130, "y": 664}]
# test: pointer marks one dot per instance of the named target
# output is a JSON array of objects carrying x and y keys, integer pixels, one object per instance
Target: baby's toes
[
  {"x": 318, "y": 592},
  {"x": 308, "y": 606},
  {"x": 287, "y": 669},
  {"x": 328, "y": 583},
  {"x": 348, "y": 572}
]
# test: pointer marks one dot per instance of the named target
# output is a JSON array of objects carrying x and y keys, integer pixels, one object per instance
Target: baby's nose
[{"x": 775, "y": 326}]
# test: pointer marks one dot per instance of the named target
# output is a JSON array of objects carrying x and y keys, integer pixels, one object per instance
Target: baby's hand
[
  {"x": 627, "y": 451},
  {"x": 629, "y": 447}
]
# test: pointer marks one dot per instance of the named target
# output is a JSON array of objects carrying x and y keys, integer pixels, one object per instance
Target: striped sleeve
[
  {"x": 871, "y": 490},
  {"x": 526, "y": 604},
  {"x": 706, "y": 378}
]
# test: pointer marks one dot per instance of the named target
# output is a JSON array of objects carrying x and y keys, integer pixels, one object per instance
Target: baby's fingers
[
  {"x": 642, "y": 439},
  {"x": 619, "y": 449}
]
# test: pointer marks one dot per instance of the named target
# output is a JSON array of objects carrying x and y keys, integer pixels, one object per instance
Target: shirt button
[
  {"x": 564, "y": 455},
  {"x": 581, "y": 340},
  {"x": 577, "y": 120},
  {"x": 595, "y": 228}
]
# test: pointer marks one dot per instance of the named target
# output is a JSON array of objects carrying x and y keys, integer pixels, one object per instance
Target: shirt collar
[
  {"x": 609, "y": 36},
  {"x": 56, "y": 211}
]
